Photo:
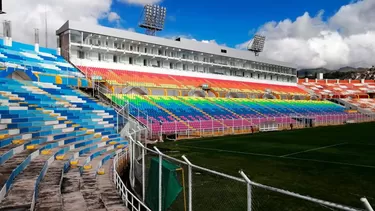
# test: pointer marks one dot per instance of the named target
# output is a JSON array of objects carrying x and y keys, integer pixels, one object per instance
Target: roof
[{"x": 186, "y": 44}]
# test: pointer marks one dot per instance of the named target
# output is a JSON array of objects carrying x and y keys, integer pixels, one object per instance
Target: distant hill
[{"x": 342, "y": 73}]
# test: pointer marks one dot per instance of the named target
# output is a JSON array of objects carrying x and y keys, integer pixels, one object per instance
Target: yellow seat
[
  {"x": 68, "y": 122},
  {"x": 4, "y": 136},
  {"x": 61, "y": 118},
  {"x": 87, "y": 167},
  {"x": 98, "y": 135},
  {"x": 105, "y": 139},
  {"x": 82, "y": 128},
  {"x": 90, "y": 132},
  {"x": 120, "y": 146},
  {"x": 101, "y": 171},
  {"x": 60, "y": 157},
  {"x": 113, "y": 142},
  {"x": 74, "y": 162},
  {"x": 46, "y": 152},
  {"x": 20, "y": 141},
  {"x": 54, "y": 115},
  {"x": 32, "y": 146}
]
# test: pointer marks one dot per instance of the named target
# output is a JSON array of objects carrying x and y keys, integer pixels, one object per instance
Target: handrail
[{"x": 126, "y": 195}]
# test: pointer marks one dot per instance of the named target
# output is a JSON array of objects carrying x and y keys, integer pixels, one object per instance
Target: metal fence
[
  {"x": 219, "y": 127},
  {"x": 205, "y": 189}
]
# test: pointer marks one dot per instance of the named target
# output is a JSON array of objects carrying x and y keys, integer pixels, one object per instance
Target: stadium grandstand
[{"x": 68, "y": 114}]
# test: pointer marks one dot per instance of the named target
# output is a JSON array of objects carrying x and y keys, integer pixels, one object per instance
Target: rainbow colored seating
[
  {"x": 134, "y": 78},
  {"x": 171, "y": 114},
  {"x": 42, "y": 66},
  {"x": 43, "y": 128}
]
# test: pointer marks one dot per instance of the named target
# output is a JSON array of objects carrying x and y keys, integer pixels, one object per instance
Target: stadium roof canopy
[{"x": 180, "y": 43}]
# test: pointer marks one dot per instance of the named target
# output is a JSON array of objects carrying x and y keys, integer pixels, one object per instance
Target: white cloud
[
  {"x": 32, "y": 15},
  {"x": 112, "y": 16},
  {"x": 140, "y": 2},
  {"x": 346, "y": 38}
]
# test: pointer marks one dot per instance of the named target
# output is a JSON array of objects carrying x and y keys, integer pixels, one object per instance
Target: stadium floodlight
[
  {"x": 1, "y": 7},
  {"x": 153, "y": 18},
  {"x": 257, "y": 44}
]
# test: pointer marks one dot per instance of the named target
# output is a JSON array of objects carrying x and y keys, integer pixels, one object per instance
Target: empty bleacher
[
  {"x": 154, "y": 80},
  {"x": 47, "y": 133},
  {"x": 43, "y": 65},
  {"x": 182, "y": 113},
  {"x": 340, "y": 88},
  {"x": 367, "y": 104}
]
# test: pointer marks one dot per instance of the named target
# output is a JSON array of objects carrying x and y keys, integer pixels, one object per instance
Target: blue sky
[{"x": 227, "y": 22}]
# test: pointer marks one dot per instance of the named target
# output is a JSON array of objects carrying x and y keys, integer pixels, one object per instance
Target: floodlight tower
[
  {"x": 153, "y": 18},
  {"x": 1, "y": 7},
  {"x": 257, "y": 44}
]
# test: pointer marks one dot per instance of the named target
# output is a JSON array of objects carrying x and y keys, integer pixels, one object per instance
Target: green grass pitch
[{"x": 331, "y": 163}]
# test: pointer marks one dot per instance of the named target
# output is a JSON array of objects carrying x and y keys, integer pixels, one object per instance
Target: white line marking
[
  {"x": 230, "y": 151},
  {"x": 309, "y": 150},
  {"x": 274, "y": 156}
]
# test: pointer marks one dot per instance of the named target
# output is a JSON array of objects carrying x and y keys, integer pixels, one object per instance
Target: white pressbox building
[{"x": 98, "y": 46}]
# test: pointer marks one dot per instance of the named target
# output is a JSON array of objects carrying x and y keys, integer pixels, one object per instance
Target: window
[
  {"x": 138, "y": 48},
  {"x": 130, "y": 60},
  {"x": 115, "y": 44},
  {"x": 271, "y": 77},
  {"x": 243, "y": 74},
  {"x": 131, "y": 48},
  {"x": 115, "y": 58},
  {"x": 99, "y": 42},
  {"x": 184, "y": 67},
  {"x": 145, "y": 50},
  {"x": 90, "y": 41},
  {"x": 265, "y": 77},
  {"x": 171, "y": 65},
  {"x": 158, "y": 64},
  {"x": 145, "y": 62},
  {"x": 258, "y": 76},
  {"x": 195, "y": 58},
  {"x": 99, "y": 57},
  {"x": 81, "y": 54},
  {"x": 106, "y": 43},
  {"x": 223, "y": 51},
  {"x": 123, "y": 46},
  {"x": 251, "y": 74},
  {"x": 195, "y": 68},
  {"x": 183, "y": 56},
  {"x": 160, "y": 52}
]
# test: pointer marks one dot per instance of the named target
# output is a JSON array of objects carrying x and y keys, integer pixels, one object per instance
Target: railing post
[
  {"x": 200, "y": 127},
  {"x": 143, "y": 172},
  {"x": 190, "y": 184},
  {"x": 232, "y": 125},
  {"x": 188, "y": 129},
  {"x": 160, "y": 178},
  {"x": 117, "y": 122},
  {"x": 249, "y": 191},
  {"x": 367, "y": 204}
]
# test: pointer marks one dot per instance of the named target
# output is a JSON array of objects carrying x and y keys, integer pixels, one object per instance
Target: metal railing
[
  {"x": 130, "y": 200},
  {"x": 226, "y": 192}
]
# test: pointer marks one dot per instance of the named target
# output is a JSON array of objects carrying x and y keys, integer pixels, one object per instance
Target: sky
[{"x": 309, "y": 34}]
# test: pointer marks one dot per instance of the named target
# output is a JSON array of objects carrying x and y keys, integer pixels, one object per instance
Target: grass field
[{"x": 331, "y": 163}]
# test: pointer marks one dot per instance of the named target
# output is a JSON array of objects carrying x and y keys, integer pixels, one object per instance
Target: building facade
[{"x": 95, "y": 45}]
